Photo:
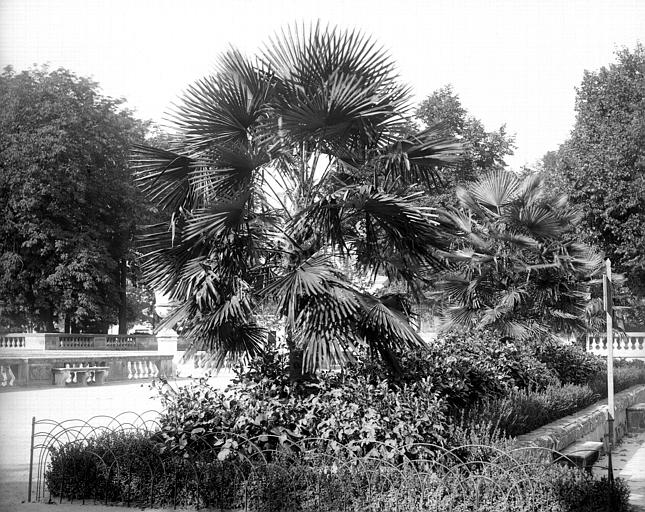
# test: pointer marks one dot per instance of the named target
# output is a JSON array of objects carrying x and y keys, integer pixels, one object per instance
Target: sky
[{"x": 512, "y": 62}]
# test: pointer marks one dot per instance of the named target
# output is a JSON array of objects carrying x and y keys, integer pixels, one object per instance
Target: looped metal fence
[{"x": 124, "y": 459}]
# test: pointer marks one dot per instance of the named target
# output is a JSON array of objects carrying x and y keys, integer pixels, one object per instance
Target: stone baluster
[
  {"x": 130, "y": 371},
  {"x": 141, "y": 371},
  {"x": 75, "y": 374},
  {"x": 154, "y": 371}
]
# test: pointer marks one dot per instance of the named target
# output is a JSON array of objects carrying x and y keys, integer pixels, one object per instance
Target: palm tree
[
  {"x": 520, "y": 268},
  {"x": 287, "y": 168}
]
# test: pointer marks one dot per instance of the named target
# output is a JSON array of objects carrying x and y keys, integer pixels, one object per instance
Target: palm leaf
[
  {"x": 224, "y": 108},
  {"x": 494, "y": 191},
  {"x": 164, "y": 176},
  {"x": 217, "y": 219}
]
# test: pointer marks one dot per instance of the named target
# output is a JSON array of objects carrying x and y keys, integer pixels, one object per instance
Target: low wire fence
[{"x": 124, "y": 460}]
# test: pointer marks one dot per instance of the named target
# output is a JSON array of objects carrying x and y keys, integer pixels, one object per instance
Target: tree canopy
[
  {"x": 289, "y": 167},
  {"x": 483, "y": 151},
  {"x": 67, "y": 201},
  {"x": 602, "y": 165}
]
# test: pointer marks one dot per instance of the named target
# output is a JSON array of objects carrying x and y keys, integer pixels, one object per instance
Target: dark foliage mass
[
  {"x": 602, "y": 167},
  {"x": 67, "y": 201},
  {"x": 359, "y": 438}
]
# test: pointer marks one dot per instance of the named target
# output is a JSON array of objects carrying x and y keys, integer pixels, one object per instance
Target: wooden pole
[
  {"x": 608, "y": 303},
  {"x": 610, "y": 350}
]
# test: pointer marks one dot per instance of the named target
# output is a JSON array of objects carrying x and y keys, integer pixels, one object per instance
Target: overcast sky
[{"x": 514, "y": 62}]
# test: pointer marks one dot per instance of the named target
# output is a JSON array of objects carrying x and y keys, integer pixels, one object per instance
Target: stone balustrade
[
  {"x": 12, "y": 341},
  {"x": 628, "y": 345},
  {"x": 142, "y": 369},
  {"x": 33, "y": 358},
  {"x": 73, "y": 342}
]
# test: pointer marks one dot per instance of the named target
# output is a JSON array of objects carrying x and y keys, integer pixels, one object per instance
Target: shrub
[
  {"x": 131, "y": 467},
  {"x": 368, "y": 416},
  {"x": 626, "y": 375},
  {"x": 467, "y": 366},
  {"x": 522, "y": 411},
  {"x": 577, "y": 491},
  {"x": 570, "y": 363}
]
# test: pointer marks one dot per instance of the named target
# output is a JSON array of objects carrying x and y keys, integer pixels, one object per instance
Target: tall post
[{"x": 608, "y": 305}]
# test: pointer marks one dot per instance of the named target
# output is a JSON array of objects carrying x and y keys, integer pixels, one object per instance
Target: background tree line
[{"x": 71, "y": 210}]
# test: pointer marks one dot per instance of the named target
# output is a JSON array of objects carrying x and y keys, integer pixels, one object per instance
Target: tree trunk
[
  {"x": 295, "y": 359},
  {"x": 48, "y": 321},
  {"x": 123, "y": 298}
]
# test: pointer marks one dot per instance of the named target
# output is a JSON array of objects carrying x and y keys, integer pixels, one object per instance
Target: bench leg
[
  {"x": 100, "y": 377},
  {"x": 61, "y": 378}
]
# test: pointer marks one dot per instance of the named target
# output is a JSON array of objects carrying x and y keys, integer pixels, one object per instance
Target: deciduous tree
[
  {"x": 67, "y": 201},
  {"x": 602, "y": 166}
]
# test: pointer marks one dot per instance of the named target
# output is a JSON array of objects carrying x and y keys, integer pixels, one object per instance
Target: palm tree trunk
[{"x": 295, "y": 358}]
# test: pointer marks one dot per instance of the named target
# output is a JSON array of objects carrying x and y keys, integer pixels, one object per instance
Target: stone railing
[
  {"x": 630, "y": 344},
  {"x": 121, "y": 342},
  {"x": 61, "y": 341},
  {"x": 71, "y": 342},
  {"x": 12, "y": 341}
]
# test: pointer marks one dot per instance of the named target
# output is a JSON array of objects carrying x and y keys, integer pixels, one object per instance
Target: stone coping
[
  {"x": 587, "y": 424},
  {"x": 26, "y": 355}
]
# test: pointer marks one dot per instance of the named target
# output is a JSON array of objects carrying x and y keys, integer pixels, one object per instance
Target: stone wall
[{"x": 589, "y": 424}]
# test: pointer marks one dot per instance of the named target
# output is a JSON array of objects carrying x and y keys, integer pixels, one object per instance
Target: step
[
  {"x": 636, "y": 417},
  {"x": 581, "y": 454}
]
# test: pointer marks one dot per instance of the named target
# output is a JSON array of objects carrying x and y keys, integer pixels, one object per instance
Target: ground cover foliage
[
  {"x": 362, "y": 438},
  {"x": 136, "y": 469}
]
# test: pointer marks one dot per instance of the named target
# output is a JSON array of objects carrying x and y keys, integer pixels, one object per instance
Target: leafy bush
[
  {"x": 570, "y": 363},
  {"x": 577, "y": 491},
  {"x": 467, "y": 366},
  {"x": 367, "y": 416},
  {"x": 131, "y": 467},
  {"x": 521, "y": 411},
  {"x": 626, "y": 375}
]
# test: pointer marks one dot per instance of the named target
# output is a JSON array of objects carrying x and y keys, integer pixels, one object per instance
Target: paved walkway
[
  {"x": 628, "y": 461},
  {"x": 19, "y": 405}
]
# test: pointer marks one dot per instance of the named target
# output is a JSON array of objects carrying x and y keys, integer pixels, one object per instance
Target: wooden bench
[
  {"x": 80, "y": 376},
  {"x": 581, "y": 454}
]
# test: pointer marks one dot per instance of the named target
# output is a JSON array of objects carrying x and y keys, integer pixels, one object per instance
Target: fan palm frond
[
  {"x": 336, "y": 86},
  {"x": 217, "y": 219},
  {"x": 224, "y": 108},
  {"x": 493, "y": 191},
  {"x": 164, "y": 176}
]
